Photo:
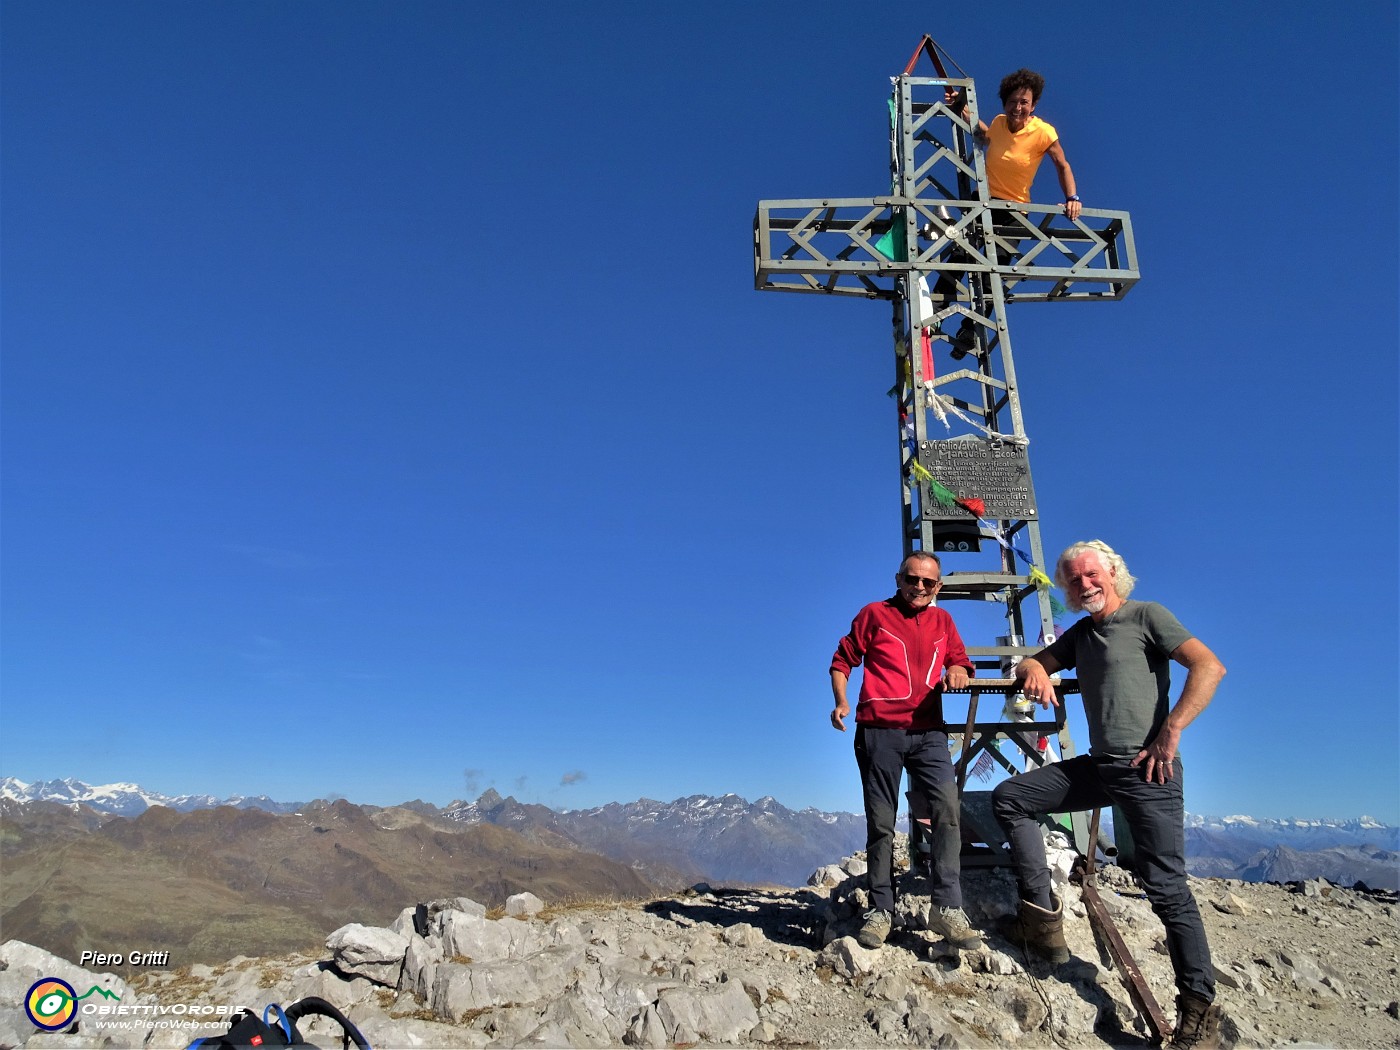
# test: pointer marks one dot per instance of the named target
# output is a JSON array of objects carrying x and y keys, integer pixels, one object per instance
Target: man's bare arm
[
  {"x": 842, "y": 708},
  {"x": 1203, "y": 674},
  {"x": 1034, "y": 675}
]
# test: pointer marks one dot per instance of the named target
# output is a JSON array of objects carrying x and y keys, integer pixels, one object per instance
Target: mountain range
[
  {"x": 1343, "y": 852},
  {"x": 724, "y": 839},
  {"x": 129, "y": 800},
  {"x": 765, "y": 843},
  {"x": 225, "y": 881}
]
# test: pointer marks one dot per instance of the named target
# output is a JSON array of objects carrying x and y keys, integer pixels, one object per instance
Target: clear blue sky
[{"x": 388, "y": 410}]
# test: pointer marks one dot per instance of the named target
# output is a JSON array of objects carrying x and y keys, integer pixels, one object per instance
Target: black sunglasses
[{"x": 910, "y": 580}]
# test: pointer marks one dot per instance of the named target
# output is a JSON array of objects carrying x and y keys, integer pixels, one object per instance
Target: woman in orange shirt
[{"x": 1016, "y": 142}]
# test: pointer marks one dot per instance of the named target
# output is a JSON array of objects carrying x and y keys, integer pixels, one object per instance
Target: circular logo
[{"x": 51, "y": 1003}]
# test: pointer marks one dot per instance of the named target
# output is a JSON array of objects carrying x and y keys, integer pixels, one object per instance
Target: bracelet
[{"x": 1073, "y": 198}]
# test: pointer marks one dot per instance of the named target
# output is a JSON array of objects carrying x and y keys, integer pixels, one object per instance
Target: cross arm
[{"x": 861, "y": 245}]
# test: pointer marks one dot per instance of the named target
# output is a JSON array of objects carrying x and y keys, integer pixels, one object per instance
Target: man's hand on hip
[{"x": 1157, "y": 756}]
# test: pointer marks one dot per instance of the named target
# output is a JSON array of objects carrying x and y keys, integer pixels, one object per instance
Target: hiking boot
[
  {"x": 965, "y": 342},
  {"x": 1038, "y": 930},
  {"x": 1197, "y": 1025},
  {"x": 876, "y": 928},
  {"x": 952, "y": 925}
]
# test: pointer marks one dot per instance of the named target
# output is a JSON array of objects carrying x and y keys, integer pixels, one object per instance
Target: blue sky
[{"x": 388, "y": 409}]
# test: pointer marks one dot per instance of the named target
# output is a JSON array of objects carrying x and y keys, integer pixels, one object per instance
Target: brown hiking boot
[
  {"x": 1038, "y": 930},
  {"x": 952, "y": 924},
  {"x": 875, "y": 929},
  {"x": 1197, "y": 1025}
]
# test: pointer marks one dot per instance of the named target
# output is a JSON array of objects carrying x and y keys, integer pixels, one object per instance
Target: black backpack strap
[{"x": 313, "y": 1004}]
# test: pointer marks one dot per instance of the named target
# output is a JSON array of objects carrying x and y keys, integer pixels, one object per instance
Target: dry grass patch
[
  {"x": 956, "y": 990},
  {"x": 573, "y": 905},
  {"x": 178, "y": 985},
  {"x": 420, "y": 1014}
]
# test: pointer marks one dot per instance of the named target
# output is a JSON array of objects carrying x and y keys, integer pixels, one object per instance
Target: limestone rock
[
  {"x": 828, "y": 875},
  {"x": 523, "y": 905},
  {"x": 373, "y": 952},
  {"x": 723, "y": 1013},
  {"x": 479, "y": 939},
  {"x": 1231, "y": 904},
  {"x": 780, "y": 967},
  {"x": 420, "y": 964},
  {"x": 848, "y": 958},
  {"x": 742, "y": 935},
  {"x": 854, "y": 866},
  {"x": 21, "y": 965}
]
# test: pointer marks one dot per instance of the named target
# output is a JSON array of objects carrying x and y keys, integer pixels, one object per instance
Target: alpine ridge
[{"x": 728, "y": 838}]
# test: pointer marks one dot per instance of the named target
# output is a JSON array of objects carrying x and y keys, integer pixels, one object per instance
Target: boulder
[
  {"x": 420, "y": 963},
  {"x": 525, "y": 905},
  {"x": 476, "y": 938},
  {"x": 373, "y": 952},
  {"x": 647, "y": 1029},
  {"x": 743, "y": 935},
  {"x": 459, "y": 989},
  {"x": 22, "y": 964},
  {"x": 828, "y": 876},
  {"x": 848, "y": 958},
  {"x": 722, "y": 1013},
  {"x": 568, "y": 1021},
  {"x": 1231, "y": 904}
]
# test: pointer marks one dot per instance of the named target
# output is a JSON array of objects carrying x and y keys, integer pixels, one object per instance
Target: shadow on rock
[{"x": 790, "y": 918}]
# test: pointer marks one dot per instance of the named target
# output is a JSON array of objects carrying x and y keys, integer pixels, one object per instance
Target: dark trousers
[
  {"x": 1156, "y": 816},
  {"x": 945, "y": 289},
  {"x": 883, "y": 755}
]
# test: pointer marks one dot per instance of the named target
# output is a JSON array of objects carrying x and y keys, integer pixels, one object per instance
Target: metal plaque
[{"x": 996, "y": 472}]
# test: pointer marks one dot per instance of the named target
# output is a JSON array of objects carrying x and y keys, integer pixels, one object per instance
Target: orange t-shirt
[{"x": 1013, "y": 159}]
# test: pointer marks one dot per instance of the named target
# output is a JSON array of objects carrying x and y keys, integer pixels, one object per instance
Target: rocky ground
[{"x": 1301, "y": 965}]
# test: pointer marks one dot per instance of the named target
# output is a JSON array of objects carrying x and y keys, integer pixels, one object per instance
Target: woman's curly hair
[{"x": 1022, "y": 78}]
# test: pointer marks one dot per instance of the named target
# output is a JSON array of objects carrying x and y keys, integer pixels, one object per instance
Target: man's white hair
[{"x": 1109, "y": 558}]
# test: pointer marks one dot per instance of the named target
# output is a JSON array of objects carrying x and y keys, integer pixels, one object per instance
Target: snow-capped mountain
[
  {"x": 1362, "y": 824},
  {"x": 724, "y": 838},
  {"x": 1266, "y": 850},
  {"x": 128, "y": 800},
  {"x": 729, "y": 838}
]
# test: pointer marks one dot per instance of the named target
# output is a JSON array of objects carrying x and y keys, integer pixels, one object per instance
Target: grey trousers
[
  {"x": 883, "y": 755},
  {"x": 1156, "y": 817}
]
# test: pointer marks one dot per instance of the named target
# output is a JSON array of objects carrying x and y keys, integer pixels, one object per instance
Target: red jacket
[{"x": 904, "y": 652}]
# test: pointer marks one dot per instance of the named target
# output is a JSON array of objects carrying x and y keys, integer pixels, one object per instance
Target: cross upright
[{"x": 964, "y": 472}]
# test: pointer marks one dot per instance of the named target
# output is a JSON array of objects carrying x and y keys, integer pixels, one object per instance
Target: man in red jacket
[{"x": 910, "y": 649}]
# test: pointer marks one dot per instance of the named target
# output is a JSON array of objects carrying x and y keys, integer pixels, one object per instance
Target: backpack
[{"x": 249, "y": 1032}]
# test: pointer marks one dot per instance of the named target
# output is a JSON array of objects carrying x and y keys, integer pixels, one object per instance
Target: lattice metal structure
[{"x": 940, "y": 249}]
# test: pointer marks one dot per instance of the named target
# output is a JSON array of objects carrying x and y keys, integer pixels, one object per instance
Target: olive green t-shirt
[{"x": 1124, "y": 670}]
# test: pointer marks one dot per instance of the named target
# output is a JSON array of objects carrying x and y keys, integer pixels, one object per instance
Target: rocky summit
[{"x": 1307, "y": 964}]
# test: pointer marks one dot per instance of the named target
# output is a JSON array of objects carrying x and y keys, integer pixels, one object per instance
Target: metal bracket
[{"x": 1102, "y": 923}]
